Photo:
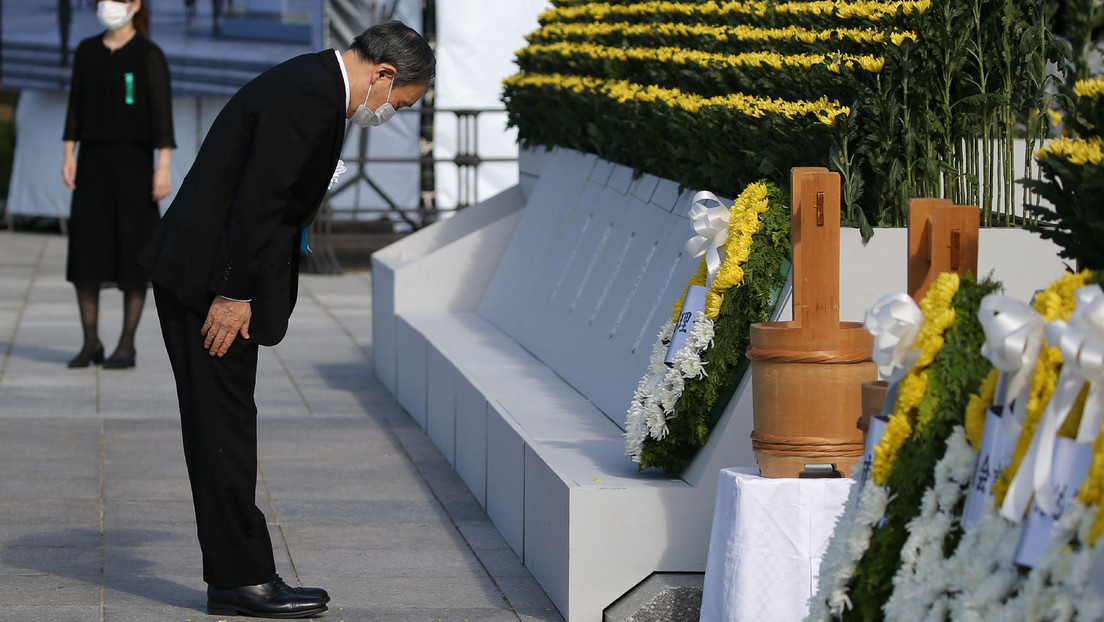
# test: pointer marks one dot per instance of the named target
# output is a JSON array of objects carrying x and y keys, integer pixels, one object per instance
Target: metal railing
[{"x": 467, "y": 159}]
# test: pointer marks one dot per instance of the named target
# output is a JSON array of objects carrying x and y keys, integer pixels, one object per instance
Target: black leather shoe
[
  {"x": 88, "y": 356},
  {"x": 316, "y": 592},
  {"x": 121, "y": 362},
  {"x": 267, "y": 600}
]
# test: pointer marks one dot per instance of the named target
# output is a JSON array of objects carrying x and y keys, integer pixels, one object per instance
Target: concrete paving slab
[
  {"x": 48, "y": 613},
  {"x": 96, "y": 520}
]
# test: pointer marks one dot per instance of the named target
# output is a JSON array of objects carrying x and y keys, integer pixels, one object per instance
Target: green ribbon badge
[{"x": 128, "y": 79}]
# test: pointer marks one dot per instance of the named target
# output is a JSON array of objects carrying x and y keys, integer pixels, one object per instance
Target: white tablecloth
[{"x": 765, "y": 548}]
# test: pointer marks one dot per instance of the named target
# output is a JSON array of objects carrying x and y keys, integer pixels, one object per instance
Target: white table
[{"x": 765, "y": 547}]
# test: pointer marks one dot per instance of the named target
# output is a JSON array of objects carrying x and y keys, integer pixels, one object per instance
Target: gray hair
[{"x": 396, "y": 43}]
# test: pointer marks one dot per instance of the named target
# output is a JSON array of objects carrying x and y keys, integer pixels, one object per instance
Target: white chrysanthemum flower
[
  {"x": 702, "y": 333},
  {"x": 849, "y": 542},
  {"x": 920, "y": 581},
  {"x": 676, "y": 383},
  {"x": 659, "y": 351},
  {"x": 667, "y": 401},
  {"x": 982, "y": 569},
  {"x": 692, "y": 367},
  {"x": 657, "y": 426}
]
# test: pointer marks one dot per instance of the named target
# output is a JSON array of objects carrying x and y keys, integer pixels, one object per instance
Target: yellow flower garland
[
  {"x": 700, "y": 277},
  {"x": 622, "y": 90},
  {"x": 978, "y": 407},
  {"x": 841, "y": 8},
  {"x": 1092, "y": 491},
  {"x": 743, "y": 223},
  {"x": 938, "y": 317},
  {"x": 833, "y": 62},
  {"x": 558, "y": 31},
  {"x": 1054, "y": 303}
]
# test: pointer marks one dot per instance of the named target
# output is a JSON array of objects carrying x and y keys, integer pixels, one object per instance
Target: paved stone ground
[{"x": 96, "y": 519}]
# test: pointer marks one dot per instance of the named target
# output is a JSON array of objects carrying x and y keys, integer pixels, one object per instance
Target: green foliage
[
  {"x": 937, "y": 121},
  {"x": 953, "y": 376},
  {"x": 1075, "y": 217},
  {"x": 725, "y": 362}
]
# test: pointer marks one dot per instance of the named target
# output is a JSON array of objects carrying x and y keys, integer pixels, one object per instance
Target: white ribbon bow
[
  {"x": 710, "y": 221},
  {"x": 895, "y": 323},
  {"x": 1013, "y": 337},
  {"x": 337, "y": 173},
  {"x": 1082, "y": 344}
]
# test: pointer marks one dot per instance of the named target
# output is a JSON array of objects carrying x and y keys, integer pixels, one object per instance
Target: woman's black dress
[{"x": 120, "y": 110}]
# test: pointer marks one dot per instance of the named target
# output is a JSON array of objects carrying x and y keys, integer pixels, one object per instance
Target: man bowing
[{"x": 224, "y": 265}]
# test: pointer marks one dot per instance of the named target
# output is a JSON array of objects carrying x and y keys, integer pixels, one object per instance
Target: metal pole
[{"x": 428, "y": 186}]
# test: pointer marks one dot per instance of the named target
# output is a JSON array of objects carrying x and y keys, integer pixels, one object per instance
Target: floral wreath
[{"x": 673, "y": 408}]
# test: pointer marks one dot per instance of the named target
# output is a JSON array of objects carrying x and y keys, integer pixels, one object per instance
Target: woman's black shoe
[
  {"x": 120, "y": 362},
  {"x": 88, "y": 356}
]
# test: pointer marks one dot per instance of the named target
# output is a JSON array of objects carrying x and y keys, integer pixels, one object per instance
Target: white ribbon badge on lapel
[
  {"x": 337, "y": 173},
  {"x": 895, "y": 323},
  {"x": 1082, "y": 344},
  {"x": 1013, "y": 337},
  {"x": 710, "y": 221}
]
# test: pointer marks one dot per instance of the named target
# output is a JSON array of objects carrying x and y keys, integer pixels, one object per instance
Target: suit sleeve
[{"x": 288, "y": 132}]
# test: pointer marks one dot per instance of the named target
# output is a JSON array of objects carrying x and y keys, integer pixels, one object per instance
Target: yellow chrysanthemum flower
[
  {"x": 699, "y": 278},
  {"x": 623, "y": 91},
  {"x": 1056, "y": 302},
  {"x": 582, "y": 32},
  {"x": 1092, "y": 491},
  {"x": 1076, "y": 151},
  {"x": 1089, "y": 88},
  {"x": 743, "y": 223},
  {"x": 938, "y": 317},
  {"x": 978, "y": 407},
  {"x": 681, "y": 56},
  {"x": 840, "y": 8}
]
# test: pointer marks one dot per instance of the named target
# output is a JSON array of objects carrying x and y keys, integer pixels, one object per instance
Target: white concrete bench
[{"x": 516, "y": 332}]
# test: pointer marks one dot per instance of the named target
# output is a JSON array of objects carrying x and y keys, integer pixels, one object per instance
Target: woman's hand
[
  {"x": 69, "y": 171},
  {"x": 162, "y": 183}
]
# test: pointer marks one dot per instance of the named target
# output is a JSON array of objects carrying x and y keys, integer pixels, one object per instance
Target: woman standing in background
[{"x": 120, "y": 110}]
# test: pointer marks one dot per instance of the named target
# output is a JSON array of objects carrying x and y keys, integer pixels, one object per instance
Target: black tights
[{"x": 88, "y": 299}]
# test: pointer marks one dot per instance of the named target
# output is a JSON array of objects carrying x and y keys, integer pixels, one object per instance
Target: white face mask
[
  {"x": 113, "y": 15},
  {"x": 366, "y": 118}
]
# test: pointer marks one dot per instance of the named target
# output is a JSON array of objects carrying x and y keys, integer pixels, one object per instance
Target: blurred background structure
[{"x": 451, "y": 151}]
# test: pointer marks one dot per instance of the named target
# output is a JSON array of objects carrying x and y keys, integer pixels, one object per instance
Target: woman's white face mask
[{"x": 113, "y": 15}]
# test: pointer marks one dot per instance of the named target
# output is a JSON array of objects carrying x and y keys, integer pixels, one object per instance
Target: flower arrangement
[
  {"x": 1056, "y": 302},
  {"x": 920, "y": 468},
  {"x": 903, "y": 99},
  {"x": 711, "y": 8},
  {"x": 1072, "y": 179},
  {"x": 675, "y": 407},
  {"x": 712, "y": 37},
  {"x": 939, "y": 315},
  {"x": 939, "y": 571}
]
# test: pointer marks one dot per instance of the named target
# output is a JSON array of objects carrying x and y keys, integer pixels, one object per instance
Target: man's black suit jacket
[{"x": 258, "y": 179}]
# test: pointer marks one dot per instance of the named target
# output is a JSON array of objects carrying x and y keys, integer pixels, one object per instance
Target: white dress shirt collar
[{"x": 344, "y": 78}]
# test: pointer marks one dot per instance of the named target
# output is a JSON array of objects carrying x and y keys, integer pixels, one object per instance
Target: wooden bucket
[{"x": 807, "y": 396}]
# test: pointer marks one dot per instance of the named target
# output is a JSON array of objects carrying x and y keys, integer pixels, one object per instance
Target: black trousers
[{"x": 218, "y": 419}]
